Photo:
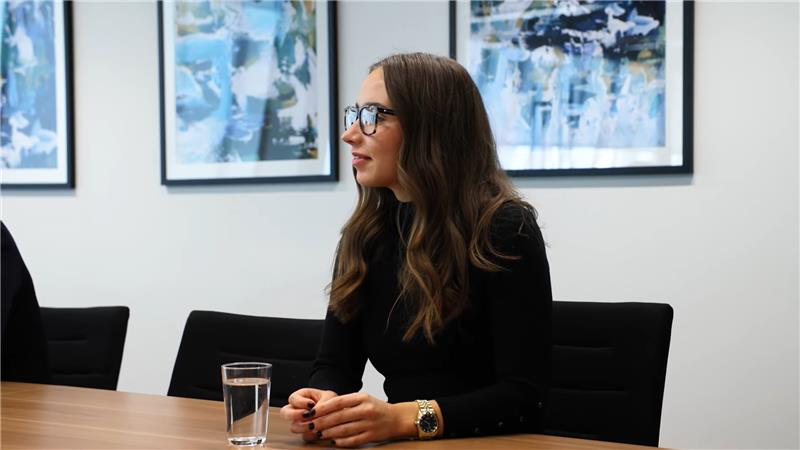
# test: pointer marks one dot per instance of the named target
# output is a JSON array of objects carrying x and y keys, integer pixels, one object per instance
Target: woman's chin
[
  {"x": 365, "y": 180},
  {"x": 369, "y": 180}
]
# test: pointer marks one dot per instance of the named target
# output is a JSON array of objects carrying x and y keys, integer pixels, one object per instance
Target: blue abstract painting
[
  {"x": 573, "y": 83},
  {"x": 246, "y": 89},
  {"x": 245, "y": 81},
  {"x": 28, "y": 117}
]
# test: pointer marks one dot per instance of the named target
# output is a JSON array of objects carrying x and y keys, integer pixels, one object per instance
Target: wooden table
[{"x": 60, "y": 417}]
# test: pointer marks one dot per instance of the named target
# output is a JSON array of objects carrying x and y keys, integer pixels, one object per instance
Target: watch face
[{"x": 428, "y": 423}]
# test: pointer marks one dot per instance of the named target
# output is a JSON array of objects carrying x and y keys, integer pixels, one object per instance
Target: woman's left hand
[{"x": 355, "y": 419}]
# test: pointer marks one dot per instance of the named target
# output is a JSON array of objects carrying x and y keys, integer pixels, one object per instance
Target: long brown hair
[{"x": 448, "y": 165}]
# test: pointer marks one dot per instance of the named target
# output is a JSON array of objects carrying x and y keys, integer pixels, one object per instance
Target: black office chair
[
  {"x": 211, "y": 339},
  {"x": 609, "y": 366},
  {"x": 84, "y": 345}
]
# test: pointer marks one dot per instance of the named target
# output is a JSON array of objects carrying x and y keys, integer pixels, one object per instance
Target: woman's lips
[{"x": 359, "y": 159}]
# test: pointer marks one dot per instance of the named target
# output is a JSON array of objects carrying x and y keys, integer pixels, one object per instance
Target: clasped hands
[{"x": 347, "y": 420}]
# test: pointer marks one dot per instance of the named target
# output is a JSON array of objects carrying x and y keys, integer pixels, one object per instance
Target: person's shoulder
[
  {"x": 513, "y": 230},
  {"x": 514, "y": 218},
  {"x": 6, "y": 240}
]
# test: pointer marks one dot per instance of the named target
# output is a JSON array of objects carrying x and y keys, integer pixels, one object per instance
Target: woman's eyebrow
[{"x": 371, "y": 103}]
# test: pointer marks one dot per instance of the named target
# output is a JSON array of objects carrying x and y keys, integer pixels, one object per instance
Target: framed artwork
[
  {"x": 36, "y": 136},
  {"x": 581, "y": 87},
  {"x": 248, "y": 91}
]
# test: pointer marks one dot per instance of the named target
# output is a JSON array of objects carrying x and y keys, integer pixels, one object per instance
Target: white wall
[{"x": 721, "y": 246}]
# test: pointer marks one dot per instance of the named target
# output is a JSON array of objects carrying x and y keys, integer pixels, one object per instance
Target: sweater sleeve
[
  {"x": 340, "y": 362},
  {"x": 519, "y": 317}
]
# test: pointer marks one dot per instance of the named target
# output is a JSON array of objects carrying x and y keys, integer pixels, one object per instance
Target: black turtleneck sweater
[{"x": 489, "y": 368}]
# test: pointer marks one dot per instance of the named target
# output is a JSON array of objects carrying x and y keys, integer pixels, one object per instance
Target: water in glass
[{"x": 247, "y": 410}]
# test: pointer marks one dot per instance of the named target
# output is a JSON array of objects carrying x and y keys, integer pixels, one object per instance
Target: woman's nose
[{"x": 352, "y": 135}]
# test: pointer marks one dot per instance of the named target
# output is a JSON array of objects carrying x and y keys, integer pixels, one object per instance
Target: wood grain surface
[{"x": 60, "y": 417}]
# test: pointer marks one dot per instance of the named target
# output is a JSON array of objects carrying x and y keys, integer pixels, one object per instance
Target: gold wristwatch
[{"x": 427, "y": 423}]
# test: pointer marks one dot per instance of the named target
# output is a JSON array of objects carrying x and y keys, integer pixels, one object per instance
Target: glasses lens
[
  {"x": 350, "y": 115},
  {"x": 369, "y": 118}
]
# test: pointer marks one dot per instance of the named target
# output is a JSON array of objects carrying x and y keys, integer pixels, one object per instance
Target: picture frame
[
  {"x": 248, "y": 92},
  {"x": 582, "y": 88},
  {"x": 36, "y": 96}
]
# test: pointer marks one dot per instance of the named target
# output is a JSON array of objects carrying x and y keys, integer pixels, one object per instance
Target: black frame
[
  {"x": 332, "y": 106},
  {"x": 69, "y": 112},
  {"x": 359, "y": 110},
  {"x": 688, "y": 108}
]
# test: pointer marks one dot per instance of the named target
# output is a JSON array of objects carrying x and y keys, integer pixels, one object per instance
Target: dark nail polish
[
  {"x": 311, "y": 425},
  {"x": 306, "y": 414},
  {"x": 312, "y": 413},
  {"x": 310, "y": 405},
  {"x": 319, "y": 434},
  {"x": 333, "y": 442}
]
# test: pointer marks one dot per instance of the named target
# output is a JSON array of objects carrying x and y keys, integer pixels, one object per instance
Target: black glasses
[{"x": 367, "y": 117}]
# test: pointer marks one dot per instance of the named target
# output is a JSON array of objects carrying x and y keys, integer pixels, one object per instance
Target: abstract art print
[
  {"x": 36, "y": 139},
  {"x": 582, "y": 87},
  {"x": 248, "y": 91}
]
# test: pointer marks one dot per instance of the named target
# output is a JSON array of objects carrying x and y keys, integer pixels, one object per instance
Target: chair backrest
[
  {"x": 84, "y": 345},
  {"x": 211, "y": 339},
  {"x": 609, "y": 366}
]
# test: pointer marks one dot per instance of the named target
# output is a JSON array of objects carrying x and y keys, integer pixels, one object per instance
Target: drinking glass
[{"x": 245, "y": 389}]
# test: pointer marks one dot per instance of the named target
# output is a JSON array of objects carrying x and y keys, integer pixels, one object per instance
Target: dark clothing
[
  {"x": 24, "y": 348},
  {"x": 489, "y": 369}
]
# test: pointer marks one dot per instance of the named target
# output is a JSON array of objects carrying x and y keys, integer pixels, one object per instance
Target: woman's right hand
[{"x": 300, "y": 410}]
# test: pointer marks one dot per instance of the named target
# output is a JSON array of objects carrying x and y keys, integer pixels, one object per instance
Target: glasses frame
[{"x": 359, "y": 110}]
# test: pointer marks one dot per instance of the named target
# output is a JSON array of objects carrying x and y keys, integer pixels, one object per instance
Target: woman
[{"x": 441, "y": 277}]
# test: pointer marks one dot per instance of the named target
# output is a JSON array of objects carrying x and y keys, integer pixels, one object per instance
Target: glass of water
[{"x": 245, "y": 389}]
